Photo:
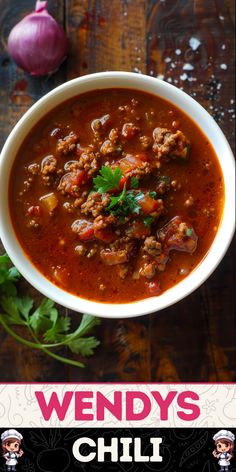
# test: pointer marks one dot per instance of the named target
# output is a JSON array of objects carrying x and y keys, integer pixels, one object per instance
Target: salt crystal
[
  {"x": 231, "y": 101},
  {"x": 178, "y": 52},
  {"x": 160, "y": 76},
  {"x": 169, "y": 79},
  {"x": 192, "y": 79},
  {"x": 221, "y": 17},
  {"x": 188, "y": 66},
  {"x": 183, "y": 76},
  {"x": 138, "y": 71},
  {"x": 176, "y": 81},
  {"x": 167, "y": 59},
  {"x": 224, "y": 66},
  {"x": 223, "y": 46},
  {"x": 194, "y": 43},
  {"x": 125, "y": 13},
  {"x": 173, "y": 65}
]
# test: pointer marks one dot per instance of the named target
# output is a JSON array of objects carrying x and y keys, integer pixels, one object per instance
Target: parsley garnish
[
  {"x": 45, "y": 326},
  {"x": 152, "y": 194},
  {"x": 108, "y": 179},
  {"x": 134, "y": 182},
  {"x": 148, "y": 220},
  {"x": 189, "y": 232},
  {"x": 125, "y": 203}
]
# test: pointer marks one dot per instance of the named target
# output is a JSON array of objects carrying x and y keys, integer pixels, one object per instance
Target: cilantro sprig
[
  {"x": 46, "y": 328},
  {"x": 125, "y": 203},
  {"x": 108, "y": 179}
]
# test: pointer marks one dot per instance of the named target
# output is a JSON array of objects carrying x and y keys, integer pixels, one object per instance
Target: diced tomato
[
  {"x": 71, "y": 179},
  {"x": 137, "y": 229},
  {"x": 84, "y": 229},
  {"x": 153, "y": 288},
  {"x": 105, "y": 235},
  {"x": 130, "y": 162},
  {"x": 35, "y": 210},
  {"x": 148, "y": 204},
  {"x": 124, "y": 181}
]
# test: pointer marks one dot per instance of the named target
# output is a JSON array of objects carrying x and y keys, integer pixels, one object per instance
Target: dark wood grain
[{"x": 194, "y": 340}]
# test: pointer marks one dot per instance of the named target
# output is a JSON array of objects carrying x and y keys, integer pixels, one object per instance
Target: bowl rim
[{"x": 223, "y": 236}]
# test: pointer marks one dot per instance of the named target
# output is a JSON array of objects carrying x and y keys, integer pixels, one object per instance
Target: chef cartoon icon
[
  {"x": 11, "y": 441},
  {"x": 224, "y": 442}
]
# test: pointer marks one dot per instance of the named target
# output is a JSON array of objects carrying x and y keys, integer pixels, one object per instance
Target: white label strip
[{"x": 118, "y": 405}]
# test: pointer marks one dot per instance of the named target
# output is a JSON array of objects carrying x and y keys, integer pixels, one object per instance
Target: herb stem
[{"x": 38, "y": 345}]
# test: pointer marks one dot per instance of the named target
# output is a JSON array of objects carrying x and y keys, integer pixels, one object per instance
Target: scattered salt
[
  {"x": 223, "y": 46},
  {"x": 188, "y": 66},
  {"x": 178, "y": 52},
  {"x": 219, "y": 86},
  {"x": 167, "y": 59},
  {"x": 224, "y": 66},
  {"x": 138, "y": 71},
  {"x": 221, "y": 17},
  {"x": 125, "y": 13},
  {"x": 194, "y": 43},
  {"x": 160, "y": 76},
  {"x": 173, "y": 65},
  {"x": 231, "y": 101},
  {"x": 169, "y": 79},
  {"x": 183, "y": 76}
]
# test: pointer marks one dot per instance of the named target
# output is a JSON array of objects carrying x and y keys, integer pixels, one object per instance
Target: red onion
[{"x": 38, "y": 43}]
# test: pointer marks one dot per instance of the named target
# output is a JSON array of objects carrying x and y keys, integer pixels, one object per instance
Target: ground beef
[
  {"x": 129, "y": 130},
  {"x": 144, "y": 169},
  {"x": 148, "y": 270},
  {"x": 113, "y": 135},
  {"x": 102, "y": 222},
  {"x": 169, "y": 144},
  {"x": 68, "y": 143},
  {"x": 100, "y": 125},
  {"x": 108, "y": 147},
  {"x": 110, "y": 257},
  {"x": 152, "y": 246},
  {"x": 89, "y": 161},
  {"x": 95, "y": 204},
  {"x": 48, "y": 165},
  {"x": 145, "y": 142},
  {"x": 33, "y": 168}
]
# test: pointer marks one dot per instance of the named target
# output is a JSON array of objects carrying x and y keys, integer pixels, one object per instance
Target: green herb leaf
[
  {"x": 189, "y": 232},
  {"x": 84, "y": 346},
  {"x": 148, "y": 220},
  {"x": 152, "y": 194},
  {"x": 44, "y": 324},
  {"x": 134, "y": 182},
  {"x": 108, "y": 179},
  {"x": 125, "y": 204}
]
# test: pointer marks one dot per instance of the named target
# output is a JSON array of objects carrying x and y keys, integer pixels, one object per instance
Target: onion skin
[{"x": 37, "y": 43}]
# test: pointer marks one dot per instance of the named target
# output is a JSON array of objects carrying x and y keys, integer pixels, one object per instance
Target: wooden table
[{"x": 195, "y": 339}]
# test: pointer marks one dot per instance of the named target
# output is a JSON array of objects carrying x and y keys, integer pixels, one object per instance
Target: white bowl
[{"x": 190, "y": 107}]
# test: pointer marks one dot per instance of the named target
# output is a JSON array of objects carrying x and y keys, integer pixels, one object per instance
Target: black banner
[{"x": 180, "y": 449}]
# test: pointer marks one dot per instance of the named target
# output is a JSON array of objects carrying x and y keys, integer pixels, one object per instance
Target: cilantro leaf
[
  {"x": 134, "y": 182},
  {"x": 44, "y": 323},
  {"x": 152, "y": 194},
  {"x": 125, "y": 204},
  {"x": 189, "y": 232},
  {"x": 148, "y": 220},
  {"x": 108, "y": 179},
  {"x": 84, "y": 346},
  {"x": 40, "y": 320}
]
